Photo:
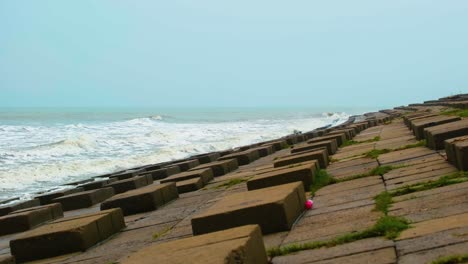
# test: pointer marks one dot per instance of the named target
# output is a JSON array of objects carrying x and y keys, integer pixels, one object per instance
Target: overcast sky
[{"x": 231, "y": 53}]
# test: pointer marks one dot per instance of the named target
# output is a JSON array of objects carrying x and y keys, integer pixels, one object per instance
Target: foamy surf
[{"x": 39, "y": 157}]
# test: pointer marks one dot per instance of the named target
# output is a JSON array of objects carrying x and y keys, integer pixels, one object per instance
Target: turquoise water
[{"x": 43, "y": 148}]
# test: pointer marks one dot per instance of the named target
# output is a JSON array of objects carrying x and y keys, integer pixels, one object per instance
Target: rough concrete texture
[
  {"x": 274, "y": 209},
  {"x": 142, "y": 200},
  {"x": 84, "y": 199},
  {"x": 237, "y": 245},
  {"x": 66, "y": 236},
  {"x": 320, "y": 155}
]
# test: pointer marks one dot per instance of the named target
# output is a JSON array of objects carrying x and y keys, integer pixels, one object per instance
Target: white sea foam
[{"x": 35, "y": 158}]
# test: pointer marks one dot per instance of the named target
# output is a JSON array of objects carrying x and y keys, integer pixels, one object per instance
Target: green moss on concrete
[
  {"x": 383, "y": 202},
  {"x": 454, "y": 259},
  {"x": 380, "y": 170},
  {"x": 455, "y": 112},
  {"x": 232, "y": 182},
  {"x": 454, "y": 178},
  {"x": 322, "y": 179},
  {"x": 387, "y": 226},
  {"x": 374, "y": 154}
]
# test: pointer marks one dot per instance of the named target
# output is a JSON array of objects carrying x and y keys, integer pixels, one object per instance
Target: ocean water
[{"x": 41, "y": 149}]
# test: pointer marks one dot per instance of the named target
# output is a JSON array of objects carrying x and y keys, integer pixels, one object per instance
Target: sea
[{"x": 44, "y": 148}]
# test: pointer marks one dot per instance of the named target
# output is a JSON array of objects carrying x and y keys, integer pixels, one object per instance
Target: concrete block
[
  {"x": 46, "y": 198},
  {"x": 164, "y": 172},
  {"x": 26, "y": 219},
  {"x": 320, "y": 155},
  {"x": 275, "y": 209},
  {"x": 340, "y": 138},
  {"x": 129, "y": 184},
  {"x": 436, "y": 135},
  {"x": 331, "y": 146},
  {"x": 190, "y": 185},
  {"x": 6, "y": 209},
  {"x": 186, "y": 165},
  {"x": 419, "y": 125},
  {"x": 141, "y": 200},
  {"x": 84, "y": 199},
  {"x": 97, "y": 184},
  {"x": 67, "y": 235},
  {"x": 236, "y": 245},
  {"x": 244, "y": 157}
]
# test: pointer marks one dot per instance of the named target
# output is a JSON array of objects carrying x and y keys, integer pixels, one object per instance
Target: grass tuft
[
  {"x": 383, "y": 202},
  {"x": 352, "y": 142},
  {"x": 387, "y": 226},
  {"x": 374, "y": 154},
  {"x": 421, "y": 143},
  {"x": 322, "y": 179},
  {"x": 231, "y": 183},
  {"x": 454, "y": 178},
  {"x": 161, "y": 233},
  {"x": 452, "y": 259},
  {"x": 456, "y": 112}
]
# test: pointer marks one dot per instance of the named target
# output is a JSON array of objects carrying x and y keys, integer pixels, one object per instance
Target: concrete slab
[
  {"x": 347, "y": 250},
  {"x": 66, "y": 236},
  {"x": 96, "y": 184},
  {"x": 131, "y": 184},
  {"x": 340, "y": 138},
  {"x": 220, "y": 168},
  {"x": 205, "y": 174},
  {"x": 46, "y": 198},
  {"x": 190, "y": 185},
  {"x": 457, "y": 152},
  {"x": 320, "y": 155},
  {"x": 330, "y": 145},
  {"x": 164, "y": 172},
  {"x": 274, "y": 209},
  {"x": 6, "y": 209},
  {"x": 435, "y": 225},
  {"x": 84, "y": 199},
  {"x": 236, "y": 245},
  {"x": 436, "y": 135},
  {"x": 187, "y": 165},
  {"x": 244, "y": 157},
  {"x": 26, "y": 219},
  {"x": 142, "y": 200},
  {"x": 419, "y": 125},
  {"x": 303, "y": 173}
]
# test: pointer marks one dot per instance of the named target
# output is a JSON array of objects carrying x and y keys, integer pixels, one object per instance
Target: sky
[{"x": 112, "y": 53}]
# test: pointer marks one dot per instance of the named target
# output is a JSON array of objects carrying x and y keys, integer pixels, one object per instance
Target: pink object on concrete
[{"x": 309, "y": 204}]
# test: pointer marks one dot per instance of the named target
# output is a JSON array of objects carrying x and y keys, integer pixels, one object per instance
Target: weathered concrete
[
  {"x": 340, "y": 138},
  {"x": 47, "y": 198},
  {"x": 220, "y": 168},
  {"x": 274, "y": 209},
  {"x": 303, "y": 173},
  {"x": 27, "y": 219},
  {"x": 6, "y": 209},
  {"x": 205, "y": 174},
  {"x": 142, "y": 200},
  {"x": 130, "y": 184},
  {"x": 190, "y": 185},
  {"x": 84, "y": 199},
  {"x": 66, "y": 236},
  {"x": 320, "y": 155},
  {"x": 331, "y": 146},
  {"x": 457, "y": 152},
  {"x": 419, "y": 125},
  {"x": 244, "y": 157},
  {"x": 436, "y": 135},
  {"x": 164, "y": 172},
  {"x": 97, "y": 184},
  {"x": 187, "y": 165},
  {"x": 236, "y": 245}
]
